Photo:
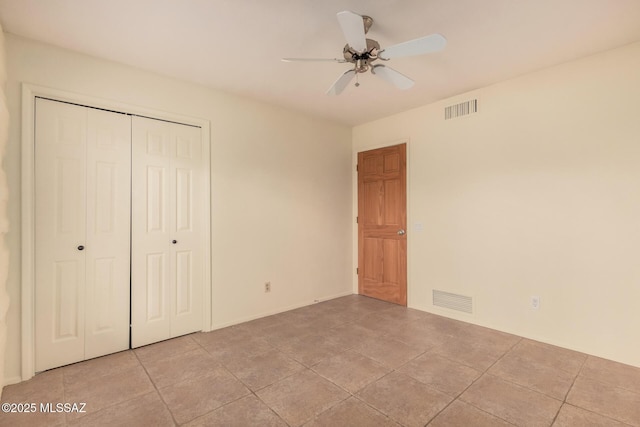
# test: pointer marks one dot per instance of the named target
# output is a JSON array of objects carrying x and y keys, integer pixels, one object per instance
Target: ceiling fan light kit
[{"x": 361, "y": 52}]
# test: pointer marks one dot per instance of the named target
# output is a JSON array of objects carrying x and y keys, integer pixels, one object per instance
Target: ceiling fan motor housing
[{"x": 362, "y": 60}]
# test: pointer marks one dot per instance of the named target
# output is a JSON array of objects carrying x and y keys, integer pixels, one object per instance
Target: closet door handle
[
  {"x": 174, "y": 241},
  {"x": 80, "y": 248}
]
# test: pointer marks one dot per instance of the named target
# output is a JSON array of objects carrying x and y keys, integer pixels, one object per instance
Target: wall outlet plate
[{"x": 535, "y": 302}]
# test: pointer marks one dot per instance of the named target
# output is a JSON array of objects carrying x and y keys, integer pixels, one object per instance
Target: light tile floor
[{"x": 352, "y": 361}]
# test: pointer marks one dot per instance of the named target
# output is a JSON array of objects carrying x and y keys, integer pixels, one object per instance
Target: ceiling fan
[{"x": 362, "y": 51}]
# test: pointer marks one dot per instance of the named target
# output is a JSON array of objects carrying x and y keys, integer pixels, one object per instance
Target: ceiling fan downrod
[{"x": 368, "y": 22}]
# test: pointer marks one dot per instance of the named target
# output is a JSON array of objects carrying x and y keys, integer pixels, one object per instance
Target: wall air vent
[
  {"x": 453, "y": 301},
  {"x": 461, "y": 109}
]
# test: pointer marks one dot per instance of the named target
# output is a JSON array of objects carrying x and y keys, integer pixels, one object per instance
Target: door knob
[
  {"x": 401, "y": 232},
  {"x": 80, "y": 248},
  {"x": 174, "y": 241}
]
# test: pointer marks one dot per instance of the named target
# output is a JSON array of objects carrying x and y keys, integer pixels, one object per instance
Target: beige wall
[
  {"x": 280, "y": 185},
  {"x": 537, "y": 194}
]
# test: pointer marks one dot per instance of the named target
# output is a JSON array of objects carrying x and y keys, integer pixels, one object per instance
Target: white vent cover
[
  {"x": 461, "y": 109},
  {"x": 453, "y": 301}
]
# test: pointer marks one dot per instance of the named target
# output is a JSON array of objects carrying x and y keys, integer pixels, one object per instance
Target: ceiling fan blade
[
  {"x": 341, "y": 83},
  {"x": 313, "y": 60},
  {"x": 428, "y": 44},
  {"x": 353, "y": 29},
  {"x": 392, "y": 76}
]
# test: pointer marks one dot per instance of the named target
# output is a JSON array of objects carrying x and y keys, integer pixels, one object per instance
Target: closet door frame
[{"x": 29, "y": 94}]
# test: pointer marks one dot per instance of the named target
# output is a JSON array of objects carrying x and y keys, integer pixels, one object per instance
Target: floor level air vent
[
  {"x": 461, "y": 109},
  {"x": 453, "y": 301}
]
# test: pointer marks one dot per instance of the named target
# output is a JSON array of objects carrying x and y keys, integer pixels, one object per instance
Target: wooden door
[
  {"x": 382, "y": 224},
  {"x": 82, "y": 195},
  {"x": 167, "y": 241}
]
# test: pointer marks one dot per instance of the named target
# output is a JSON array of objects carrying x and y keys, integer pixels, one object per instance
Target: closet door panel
[
  {"x": 167, "y": 264},
  {"x": 184, "y": 276},
  {"x": 108, "y": 232},
  {"x": 156, "y": 200},
  {"x": 188, "y": 173},
  {"x": 155, "y": 287},
  {"x": 151, "y": 261},
  {"x": 60, "y": 226}
]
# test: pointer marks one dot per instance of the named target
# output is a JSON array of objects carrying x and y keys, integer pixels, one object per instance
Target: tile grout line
[
  {"x": 354, "y": 348},
  {"x": 529, "y": 388},
  {"x": 155, "y": 387},
  {"x": 482, "y": 373},
  {"x": 108, "y": 406},
  {"x": 310, "y": 369},
  {"x": 605, "y": 382},
  {"x": 251, "y": 391},
  {"x": 363, "y": 314},
  {"x": 349, "y": 393},
  {"x": 353, "y": 395},
  {"x": 256, "y": 334},
  {"x": 359, "y": 399},
  {"x": 564, "y": 402},
  {"x": 393, "y": 370}
]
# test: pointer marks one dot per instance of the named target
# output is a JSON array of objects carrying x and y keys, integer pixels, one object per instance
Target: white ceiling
[{"x": 236, "y": 45}]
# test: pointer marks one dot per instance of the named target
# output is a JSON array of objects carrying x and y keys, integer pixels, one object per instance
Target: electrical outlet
[
  {"x": 535, "y": 302},
  {"x": 267, "y": 286}
]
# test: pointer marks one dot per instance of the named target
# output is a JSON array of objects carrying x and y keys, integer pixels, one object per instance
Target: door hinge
[
  {"x": 357, "y": 168},
  {"x": 356, "y": 220},
  {"x": 357, "y": 272}
]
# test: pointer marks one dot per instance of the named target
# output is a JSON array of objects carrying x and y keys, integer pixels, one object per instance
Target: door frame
[
  {"x": 354, "y": 208},
  {"x": 29, "y": 93}
]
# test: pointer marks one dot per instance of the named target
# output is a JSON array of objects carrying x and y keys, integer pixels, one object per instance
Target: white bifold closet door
[
  {"x": 82, "y": 233},
  {"x": 167, "y": 217}
]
